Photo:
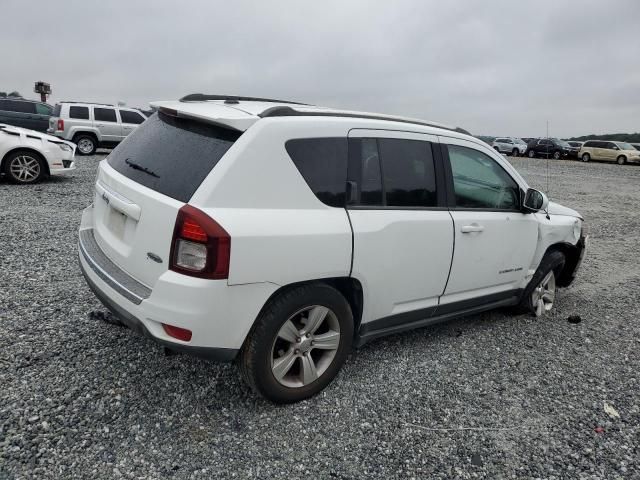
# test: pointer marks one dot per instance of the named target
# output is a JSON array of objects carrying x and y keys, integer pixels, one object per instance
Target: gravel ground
[{"x": 490, "y": 396}]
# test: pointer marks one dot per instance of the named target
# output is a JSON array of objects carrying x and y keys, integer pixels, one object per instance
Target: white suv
[
  {"x": 510, "y": 145},
  {"x": 93, "y": 125},
  {"x": 282, "y": 234}
]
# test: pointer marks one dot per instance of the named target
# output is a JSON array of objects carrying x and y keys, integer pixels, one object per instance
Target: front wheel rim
[
  {"x": 85, "y": 145},
  {"x": 305, "y": 346},
  {"x": 25, "y": 168},
  {"x": 544, "y": 294}
]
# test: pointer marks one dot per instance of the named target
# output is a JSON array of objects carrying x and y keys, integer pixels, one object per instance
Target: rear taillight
[
  {"x": 60, "y": 124},
  {"x": 200, "y": 246}
]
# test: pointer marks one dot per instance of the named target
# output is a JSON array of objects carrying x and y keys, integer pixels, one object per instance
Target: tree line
[{"x": 620, "y": 137}]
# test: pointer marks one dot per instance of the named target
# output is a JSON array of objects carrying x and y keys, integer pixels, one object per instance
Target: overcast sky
[{"x": 492, "y": 67}]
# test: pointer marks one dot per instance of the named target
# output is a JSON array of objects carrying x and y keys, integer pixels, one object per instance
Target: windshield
[{"x": 625, "y": 146}]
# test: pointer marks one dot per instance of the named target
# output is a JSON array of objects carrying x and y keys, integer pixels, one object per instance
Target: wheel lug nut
[
  {"x": 298, "y": 339},
  {"x": 296, "y": 351},
  {"x": 308, "y": 335}
]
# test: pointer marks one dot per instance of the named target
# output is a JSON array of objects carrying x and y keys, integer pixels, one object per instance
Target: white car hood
[
  {"x": 557, "y": 209},
  {"x": 26, "y": 131}
]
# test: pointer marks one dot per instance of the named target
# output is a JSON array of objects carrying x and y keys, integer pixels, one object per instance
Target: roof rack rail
[
  {"x": 88, "y": 103},
  {"x": 201, "y": 97},
  {"x": 284, "y": 111}
]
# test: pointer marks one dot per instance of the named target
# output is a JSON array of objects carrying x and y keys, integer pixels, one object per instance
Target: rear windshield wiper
[{"x": 135, "y": 166}]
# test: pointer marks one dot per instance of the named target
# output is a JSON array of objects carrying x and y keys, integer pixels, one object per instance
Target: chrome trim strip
[{"x": 109, "y": 272}]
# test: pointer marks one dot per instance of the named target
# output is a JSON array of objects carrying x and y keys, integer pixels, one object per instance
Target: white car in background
[
  {"x": 28, "y": 156},
  {"x": 281, "y": 234},
  {"x": 510, "y": 146}
]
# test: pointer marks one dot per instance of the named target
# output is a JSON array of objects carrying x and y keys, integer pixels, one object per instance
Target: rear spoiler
[{"x": 218, "y": 115}]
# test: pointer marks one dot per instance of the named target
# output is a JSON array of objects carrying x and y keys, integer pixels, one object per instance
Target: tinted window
[
  {"x": 407, "y": 173},
  {"x": 501, "y": 140},
  {"x": 56, "y": 110},
  {"x": 131, "y": 117},
  {"x": 81, "y": 113},
  {"x": 589, "y": 144},
  {"x": 371, "y": 176},
  {"x": 322, "y": 162},
  {"x": 104, "y": 115},
  {"x": 480, "y": 182},
  {"x": 608, "y": 145},
  {"x": 42, "y": 109},
  {"x": 18, "y": 106},
  {"x": 172, "y": 155},
  {"x": 545, "y": 142}
]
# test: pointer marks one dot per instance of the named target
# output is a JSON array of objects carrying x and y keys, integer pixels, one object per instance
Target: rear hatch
[{"x": 143, "y": 183}]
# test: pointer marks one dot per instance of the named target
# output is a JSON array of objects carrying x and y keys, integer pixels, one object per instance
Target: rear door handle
[{"x": 474, "y": 227}]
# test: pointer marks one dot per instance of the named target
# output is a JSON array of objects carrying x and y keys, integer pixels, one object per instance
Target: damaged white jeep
[{"x": 282, "y": 234}]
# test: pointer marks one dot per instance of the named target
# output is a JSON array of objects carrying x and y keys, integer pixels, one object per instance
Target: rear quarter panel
[{"x": 280, "y": 232}]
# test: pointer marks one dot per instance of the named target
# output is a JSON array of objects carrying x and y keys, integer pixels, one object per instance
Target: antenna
[{"x": 548, "y": 155}]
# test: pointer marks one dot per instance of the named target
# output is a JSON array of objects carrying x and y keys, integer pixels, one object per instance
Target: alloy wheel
[
  {"x": 305, "y": 346},
  {"x": 25, "y": 168},
  {"x": 544, "y": 294},
  {"x": 85, "y": 145}
]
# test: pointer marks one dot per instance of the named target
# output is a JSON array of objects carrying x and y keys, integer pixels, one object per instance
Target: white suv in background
[
  {"x": 510, "y": 146},
  {"x": 93, "y": 125},
  {"x": 282, "y": 234}
]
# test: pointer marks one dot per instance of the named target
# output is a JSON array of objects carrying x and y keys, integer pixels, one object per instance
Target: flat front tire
[
  {"x": 539, "y": 295},
  {"x": 298, "y": 344}
]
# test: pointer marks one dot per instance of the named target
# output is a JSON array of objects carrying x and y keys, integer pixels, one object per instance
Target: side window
[
  {"x": 20, "y": 107},
  {"x": 366, "y": 151},
  {"x": 609, "y": 145},
  {"x": 480, "y": 182},
  {"x": 104, "y": 115},
  {"x": 42, "y": 109},
  {"x": 131, "y": 117},
  {"x": 80, "y": 113},
  {"x": 408, "y": 173},
  {"x": 322, "y": 162}
]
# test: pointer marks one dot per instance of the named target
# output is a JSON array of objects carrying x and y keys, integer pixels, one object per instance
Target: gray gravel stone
[{"x": 490, "y": 396}]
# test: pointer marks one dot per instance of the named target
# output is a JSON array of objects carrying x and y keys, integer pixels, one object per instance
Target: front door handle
[{"x": 474, "y": 227}]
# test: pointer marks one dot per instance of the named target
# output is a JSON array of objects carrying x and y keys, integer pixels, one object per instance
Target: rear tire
[
  {"x": 531, "y": 154},
  {"x": 87, "y": 144},
  {"x": 24, "y": 167},
  {"x": 282, "y": 359},
  {"x": 586, "y": 157},
  {"x": 539, "y": 295},
  {"x": 621, "y": 160}
]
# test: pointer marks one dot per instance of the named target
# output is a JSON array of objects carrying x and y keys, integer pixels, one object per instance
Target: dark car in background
[
  {"x": 30, "y": 114},
  {"x": 550, "y": 148},
  {"x": 636, "y": 146}
]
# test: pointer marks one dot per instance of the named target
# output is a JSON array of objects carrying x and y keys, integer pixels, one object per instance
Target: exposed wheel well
[
  {"x": 26, "y": 149},
  {"x": 572, "y": 256},
  {"x": 349, "y": 287}
]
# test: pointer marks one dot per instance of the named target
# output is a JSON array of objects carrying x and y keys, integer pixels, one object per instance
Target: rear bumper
[
  {"x": 208, "y": 353},
  {"x": 218, "y": 315}
]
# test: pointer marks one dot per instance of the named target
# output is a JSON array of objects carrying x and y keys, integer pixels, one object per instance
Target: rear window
[
  {"x": 172, "y": 155},
  {"x": 322, "y": 162},
  {"x": 56, "y": 110},
  {"x": 80, "y": 113}
]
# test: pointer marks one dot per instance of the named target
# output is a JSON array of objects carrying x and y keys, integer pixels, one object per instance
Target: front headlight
[{"x": 64, "y": 147}]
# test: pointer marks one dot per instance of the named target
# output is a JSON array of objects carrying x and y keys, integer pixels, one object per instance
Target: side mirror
[{"x": 534, "y": 201}]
